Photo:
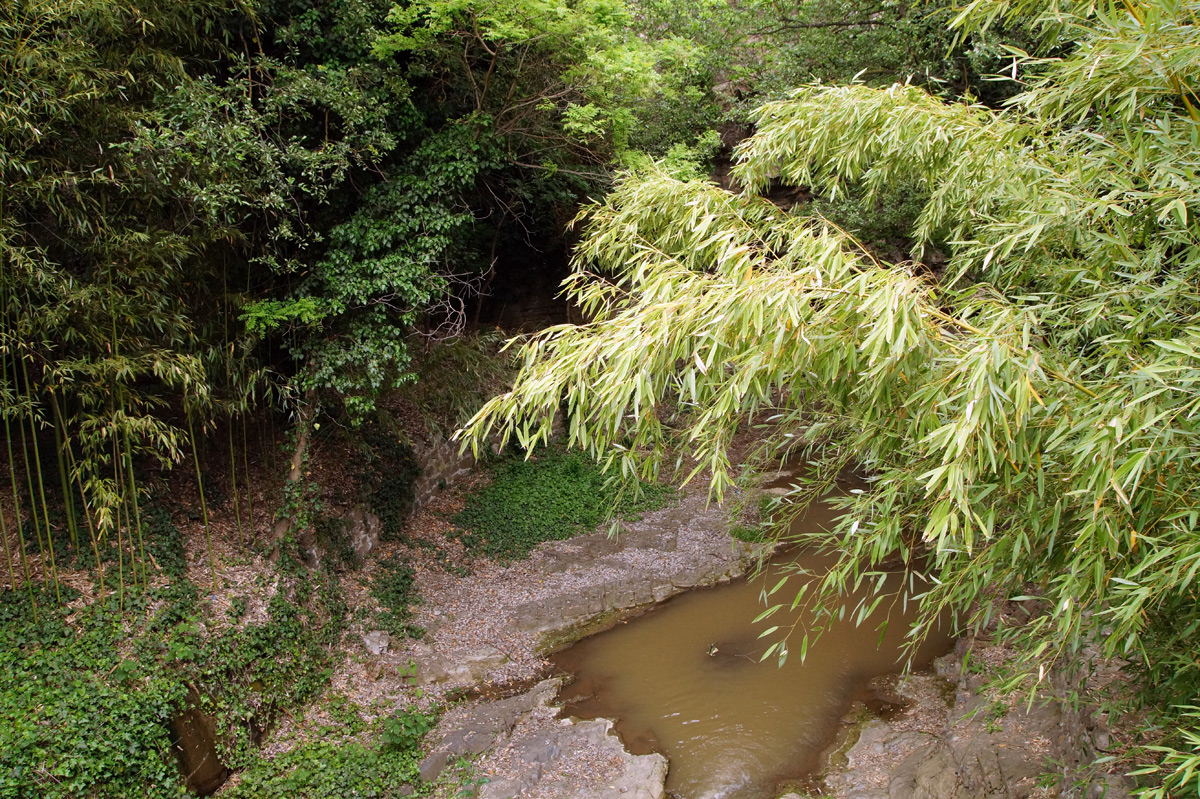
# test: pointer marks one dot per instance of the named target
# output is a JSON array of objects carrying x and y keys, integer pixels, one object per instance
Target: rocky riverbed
[{"x": 487, "y": 635}]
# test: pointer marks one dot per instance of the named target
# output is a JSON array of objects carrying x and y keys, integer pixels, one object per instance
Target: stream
[{"x": 686, "y": 679}]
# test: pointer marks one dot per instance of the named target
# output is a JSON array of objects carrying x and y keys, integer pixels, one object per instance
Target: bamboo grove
[
  {"x": 1026, "y": 410},
  {"x": 218, "y": 215}
]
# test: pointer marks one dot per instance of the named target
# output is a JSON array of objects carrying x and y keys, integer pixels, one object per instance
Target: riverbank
[{"x": 488, "y": 627}]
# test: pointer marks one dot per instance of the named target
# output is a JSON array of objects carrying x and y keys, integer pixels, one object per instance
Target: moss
[{"x": 558, "y": 640}]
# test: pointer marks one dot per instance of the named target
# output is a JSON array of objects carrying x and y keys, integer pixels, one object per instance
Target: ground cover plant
[
  {"x": 550, "y": 497},
  {"x": 88, "y": 690},
  {"x": 339, "y": 766}
]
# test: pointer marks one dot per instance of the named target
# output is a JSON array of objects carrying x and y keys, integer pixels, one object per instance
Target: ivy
[{"x": 394, "y": 587}]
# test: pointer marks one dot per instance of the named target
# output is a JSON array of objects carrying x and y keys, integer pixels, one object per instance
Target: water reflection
[{"x": 686, "y": 679}]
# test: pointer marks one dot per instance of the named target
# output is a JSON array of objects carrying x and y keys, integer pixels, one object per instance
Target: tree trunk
[{"x": 296, "y": 472}]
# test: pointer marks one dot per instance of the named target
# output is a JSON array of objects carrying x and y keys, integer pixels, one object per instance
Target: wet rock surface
[
  {"x": 954, "y": 741},
  {"x": 495, "y": 624},
  {"x": 531, "y": 753}
]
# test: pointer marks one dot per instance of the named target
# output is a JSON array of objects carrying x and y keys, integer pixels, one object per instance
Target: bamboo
[
  {"x": 37, "y": 467},
  {"x": 212, "y": 566},
  {"x": 137, "y": 514},
  {"x": 33, "y": 515},
  {"x": 60, "y": 434},
  {"x": 12, "y": 472},
  {"x": 12, "y": 469},
  {"x": 237, "y": 513},
  {"x": 246, "y": 474},
  {"x": 12, "y": 573},
  {"x": 78, "y": 479},
  {"x": 233, "y": 483},
  {"x": 117, "y": 528}
]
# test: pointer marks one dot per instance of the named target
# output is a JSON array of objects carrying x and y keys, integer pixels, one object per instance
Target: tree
[{"x": 1028, "y": 416}]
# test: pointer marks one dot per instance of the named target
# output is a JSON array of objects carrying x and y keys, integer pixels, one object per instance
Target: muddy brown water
[{"x": 734, "y": 726}]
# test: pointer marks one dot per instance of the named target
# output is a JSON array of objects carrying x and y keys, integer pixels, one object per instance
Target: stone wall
[{"x": 441, "y": 467}]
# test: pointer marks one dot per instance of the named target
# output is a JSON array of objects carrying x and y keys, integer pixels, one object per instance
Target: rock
[
  {"x": 376, "y": 641},
  {"x": 644, "y": 778},
  {"x": 475, "y": 731},
  {"x": 970, "y": 749},
  {"x": 541, "y": 748},
  {"x": 928, "y": 773},
  {"x": 466, "y": 669},
  {"x": 948, "y": 666},
  {"x": 194, "y": 742},
  {"x": 363, "y": 529}
]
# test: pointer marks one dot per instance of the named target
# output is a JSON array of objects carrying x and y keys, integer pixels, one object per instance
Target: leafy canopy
[{"x": 1027, "y": 416}]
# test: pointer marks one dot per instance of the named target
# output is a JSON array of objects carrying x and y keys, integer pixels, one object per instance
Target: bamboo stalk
[
  {"x": 12, "y": 469},
  {"x": 12, "y": 473},
  {"x": 212, "y": 566},
  {"x": 37, "y": 467},
  {"x": 78, "y": 478},
  {"x": 117, "y": 527},
  {"x": 137, "y": 514},
  {"x": 233, "y": 483},
  {"x": 12, "y": 573},
  {"x": 60, "y": 433},
  {"x": 246, "y": 473},
  {"x": 237, "y": 513},
  {"x": 33, "y": 515},
  {"x": 45, "y": 512},
  {"x": 87, "y": 515}
]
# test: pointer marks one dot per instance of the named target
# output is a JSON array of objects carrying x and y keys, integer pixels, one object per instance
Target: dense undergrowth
[
  {"x": 550, "y": 497},
  {"x": 339, "y": 766},
  {"x": 88, "y": 690}
]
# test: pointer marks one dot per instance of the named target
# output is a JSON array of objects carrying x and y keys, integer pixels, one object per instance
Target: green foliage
[
  {"x": 76, "y": 717},
  {"x": 551, "y": 497},
  {"x": 334, "y": 540},
  {"x": 882, "y": 223},
  {"x": 263, "y": 316},
  {"x": 404, "y": 729},
  {"x": 381, "y": 269},
  {"x": 249, "y": 673},
  {"x": 394, "y": 586},
  {"x": 87, "y": 693},
  {"x": 681, "y": 161},
  {"x": 457, "y": 376},
  {"x": 1026, "y": 419},
  {"x": 157, "y": 179},
  {"x": 164, "y": 544},
  {"x": 391, "y": 470},
  {"x": 331, "y": 770},
  {"x": 560, "y": 85}
]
